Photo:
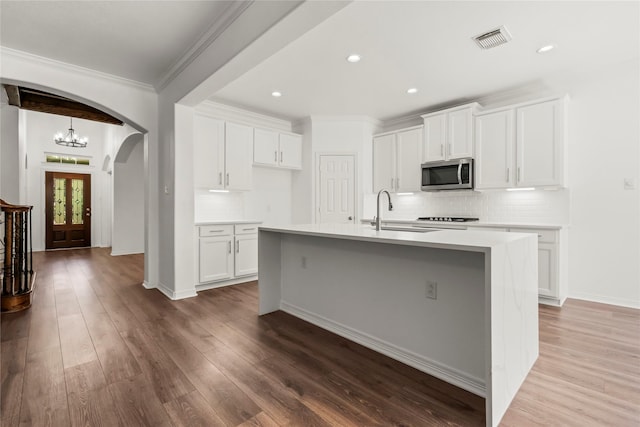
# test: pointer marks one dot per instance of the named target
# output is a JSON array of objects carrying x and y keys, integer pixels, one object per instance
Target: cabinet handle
[
  {"x": 215, "y": 231},
  {"x": 237, "y": 246},
  {"x": 281, "y": 157},
  {"x": 227, "y": 178},
  {"x": 397, "y": 183},
  {"x": 392, "y": 183},
  {"x": 518, "y": 174},
  {"x": 275, "y": 156},
  {"x": 449, "y": 149},
  {"x": 220, "y": 178},
  {"x": 229, "y": 245},
  {"x": 507, "y": 177},
  {"x": 248, "y": 229}
]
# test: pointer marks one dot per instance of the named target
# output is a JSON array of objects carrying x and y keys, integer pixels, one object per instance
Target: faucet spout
[{"x": 378, "y": 219}]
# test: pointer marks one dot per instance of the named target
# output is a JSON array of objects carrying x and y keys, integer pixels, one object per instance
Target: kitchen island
[{"x": 459, "y": 305}]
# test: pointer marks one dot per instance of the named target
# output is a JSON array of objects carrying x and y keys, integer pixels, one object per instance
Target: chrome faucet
[{"x": 377, "y": 218}]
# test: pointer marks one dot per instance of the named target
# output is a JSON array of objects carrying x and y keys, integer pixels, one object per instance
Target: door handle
[
  {"x": 459, "y": 173},
  {"x": 87, "y": 212}
]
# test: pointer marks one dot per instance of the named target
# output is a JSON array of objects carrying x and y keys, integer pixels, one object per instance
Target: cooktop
[{"x": 446, "y": 218}]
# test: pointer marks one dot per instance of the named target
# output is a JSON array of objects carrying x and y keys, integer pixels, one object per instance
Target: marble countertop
[
  {"x": 466, "y": 240},
  {"x": 471, "y": 224},
  {"x": 229, "y": 221}
]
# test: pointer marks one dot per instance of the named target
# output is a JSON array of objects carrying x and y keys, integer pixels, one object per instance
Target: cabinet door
[
  {"x": 216, "y": 258},
  {"x": 246, "y": 254},
  {"x": 238, "y": 156},
  {"x": 208, "y": 151},
  {"x": 384, "y": 162},
  {"x": 290, "y": 151},
  {"x": 547, "y": 270},
  {"x": 409, "y": 152},
  {"x": 265, "y": 147},
  {"x": 459, "y": 134},
  {"x": 494, "y": 150},
  {"x": 540, "y": 144},
  {"x": 435, "y": 134}
]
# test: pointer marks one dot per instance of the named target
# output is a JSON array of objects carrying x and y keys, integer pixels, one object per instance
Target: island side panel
[
  {"x": 269, "y": 268},
  {"x": 513, "y": 323},
  {"x": 375, "y": 294}
]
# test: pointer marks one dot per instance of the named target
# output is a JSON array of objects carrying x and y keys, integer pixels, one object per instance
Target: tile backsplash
[{"x": 540, "y": 206}]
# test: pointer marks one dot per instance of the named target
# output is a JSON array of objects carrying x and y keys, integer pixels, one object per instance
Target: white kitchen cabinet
[
  {"x": 216, "y": 258},
  {"x": 277, "y": 149},
  {"x": 494, "y": 150},
  {"x": 448, "y": 134},
  {"x": 522, "y": 146},
  {"x": 246, "y": 257},
  {"x": 227, "y": 252},
  {"x": 223, "y": 154},
  {"x": 290, "y": 151},
  {"x": 396, "y": 160},
  {"x": 238, "y": 156},
  {"x": 209, "y": 153}
]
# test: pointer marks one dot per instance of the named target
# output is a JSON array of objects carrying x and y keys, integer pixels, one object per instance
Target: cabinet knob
[{"x": 350, "y": 218}]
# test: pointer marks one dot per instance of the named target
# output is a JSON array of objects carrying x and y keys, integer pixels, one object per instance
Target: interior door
[
  {"x": 337, "y": 189},
  {"x": 68, "y": 210}
]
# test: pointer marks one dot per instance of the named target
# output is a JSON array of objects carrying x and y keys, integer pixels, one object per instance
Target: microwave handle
[{"x": 460, "y": 173}]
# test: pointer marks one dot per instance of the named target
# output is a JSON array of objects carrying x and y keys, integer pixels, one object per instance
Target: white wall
[
  {"x": 9, "y": 158},
  {"x": 128, "y": 198},
  {"x": 604, "y": 129}
]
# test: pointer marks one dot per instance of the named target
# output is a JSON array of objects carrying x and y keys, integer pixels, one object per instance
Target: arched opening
[
  {"x": 128, "y": 197},
  {"x": 112, "y": 139}
]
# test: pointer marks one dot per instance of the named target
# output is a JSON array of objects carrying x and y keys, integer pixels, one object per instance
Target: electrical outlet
[
  {"x": 432, "y": 289},
  {"x": 303, "y": 261}
]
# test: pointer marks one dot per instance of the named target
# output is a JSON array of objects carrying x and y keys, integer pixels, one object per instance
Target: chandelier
[{"x": 71, "y": 139}]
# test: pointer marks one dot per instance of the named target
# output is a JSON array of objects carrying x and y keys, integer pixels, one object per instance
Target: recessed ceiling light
[
  {"x": 276, "y": 94},
  {"x": 545, "y": 49},
  {"x": 353, "y": 58},
  {"x": 412, "y": 90}
]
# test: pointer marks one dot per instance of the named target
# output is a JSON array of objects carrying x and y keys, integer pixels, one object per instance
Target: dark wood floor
[{"x": 98, "y": 349}]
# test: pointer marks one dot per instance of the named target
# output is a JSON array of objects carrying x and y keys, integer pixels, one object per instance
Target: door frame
[
  {"x": 96, "y": 217},
  {"x": 316, "y": 183}
]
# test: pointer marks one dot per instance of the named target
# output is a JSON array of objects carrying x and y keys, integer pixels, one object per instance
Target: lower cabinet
[{"x": 227, "y": 252}]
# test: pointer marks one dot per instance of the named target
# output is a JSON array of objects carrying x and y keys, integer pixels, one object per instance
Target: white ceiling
[
  {"x": 423, "y": 44},
  {"x": 428, "y": 45},
  {"x": 137, "y": 40}
]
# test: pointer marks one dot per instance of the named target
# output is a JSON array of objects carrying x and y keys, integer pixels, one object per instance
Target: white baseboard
[
  {"x": 172, "y": 295},
  {"x": 431, "y": 367},
  {"x": 147, "y": 285},
  {"x": 622, "y": 302},
  {"x": 213, "y": 285},
  {"x": 117, "y": 253}
]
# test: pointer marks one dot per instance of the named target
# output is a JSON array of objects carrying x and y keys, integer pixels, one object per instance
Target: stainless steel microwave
[{"x": 447, "y": 175}]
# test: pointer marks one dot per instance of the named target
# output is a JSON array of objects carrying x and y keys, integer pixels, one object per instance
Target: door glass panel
[
  {"x": 77, "y": 201},
  {"x": 59, "y": 201}
]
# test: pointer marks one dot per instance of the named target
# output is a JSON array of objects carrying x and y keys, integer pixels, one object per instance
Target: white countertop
[
  {"x": 466, "y": 240},
  {"x": 229, "y": 221},
  {"x": 471, "y": 224}
]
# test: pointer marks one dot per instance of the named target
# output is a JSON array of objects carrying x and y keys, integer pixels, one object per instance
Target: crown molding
[
  {"x": 230, "y": 14},
  {"x": 239, "y": 115},
  {"x": 401, "y": 122},
  {"x": 6, "y": 52}
]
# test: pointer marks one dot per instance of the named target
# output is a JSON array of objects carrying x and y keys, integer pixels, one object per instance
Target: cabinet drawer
[
  {"x": 216, "y": 230},
  {"x": 544, "y": 236},
  {"x": 246, "y": 228}
]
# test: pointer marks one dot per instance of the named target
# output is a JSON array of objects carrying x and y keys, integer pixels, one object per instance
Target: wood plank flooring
[{"x": 97, "y": 349}]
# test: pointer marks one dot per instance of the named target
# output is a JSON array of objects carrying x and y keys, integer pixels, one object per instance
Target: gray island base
[{"x": 459, "y": 305}]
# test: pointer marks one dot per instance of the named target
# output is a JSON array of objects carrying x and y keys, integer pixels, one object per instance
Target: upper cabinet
[
  {"x": 277, "y": 149},
  {"x": 396, "y": 160},
  {"x": 448, "y": 134},
  {"x": 522, "y": 146},
  {"x": 222, "y": 154}
]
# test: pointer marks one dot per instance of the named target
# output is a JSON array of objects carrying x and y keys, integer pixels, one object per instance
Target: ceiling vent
[{"x": 493, "y": 38}]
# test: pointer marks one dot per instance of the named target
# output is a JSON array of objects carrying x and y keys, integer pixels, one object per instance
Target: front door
[
  {"x": 68, "y": 206},
  {"x": 337, "y": 189}
]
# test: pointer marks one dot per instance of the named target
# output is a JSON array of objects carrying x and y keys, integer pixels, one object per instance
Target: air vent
[{"x": 493, "y": 38}]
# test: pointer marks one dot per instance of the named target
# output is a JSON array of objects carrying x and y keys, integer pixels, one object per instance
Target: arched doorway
[{"x": 128, "y": 197}]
